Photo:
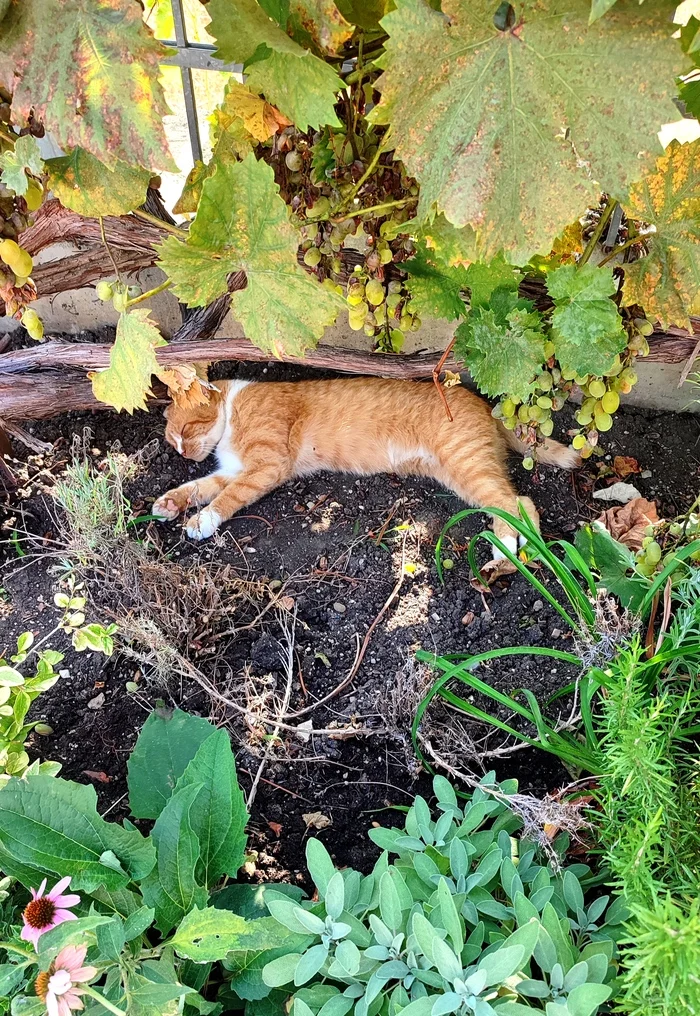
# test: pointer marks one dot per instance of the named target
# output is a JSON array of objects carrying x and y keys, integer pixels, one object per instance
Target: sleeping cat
[{"x": 266, "y": 434}]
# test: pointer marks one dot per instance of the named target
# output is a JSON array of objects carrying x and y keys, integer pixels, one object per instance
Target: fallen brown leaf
[
  {"x": 625, "y": 466},
  {"x": 628, "y": 522},
  {"x": 99, "y": 776},
  {"x": 491, "y": 571},
  {"x": 316, "y": 820},
  {"x": 276, "y": 828}
]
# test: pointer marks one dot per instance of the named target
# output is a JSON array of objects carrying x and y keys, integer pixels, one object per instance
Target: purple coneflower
[
  {"x": 47, "y": 911},
  {"x": 59, "y": 987}
]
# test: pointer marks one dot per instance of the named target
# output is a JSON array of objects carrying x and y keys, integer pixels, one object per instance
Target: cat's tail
[{"x": 552, "y": 453}]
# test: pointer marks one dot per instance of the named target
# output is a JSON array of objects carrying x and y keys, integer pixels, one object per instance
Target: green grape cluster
[
  {"x": 117, "y": 292},
  {"x": 649, "y": 557},
  {"x": 531, "y": 420}
]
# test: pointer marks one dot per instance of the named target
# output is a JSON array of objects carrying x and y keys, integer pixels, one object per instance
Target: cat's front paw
[
  {"x": 203, "y": 525},
  {"x": 171, "y": 504}
]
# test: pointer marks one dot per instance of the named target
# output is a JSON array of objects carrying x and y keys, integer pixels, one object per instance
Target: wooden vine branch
[{"x": 40, "y": 381}]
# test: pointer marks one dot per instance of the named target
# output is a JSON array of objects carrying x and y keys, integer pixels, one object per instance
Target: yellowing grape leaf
[
  {"x": 454, "y": 245},
  {"x": 318, "y": 25},
  {"x": 192, "y": 189},
  {"x": 126, "y": 383},
  {"x": 435, "y": 287},
  {"x": 259, "y": 118},
  {"x": 586, "y": 327},
  {"x": 502, "y": 345},
  {"x": 89, "y": 69},
  {"x": 83, "y": 183},
  {"x": 514, "y": 132},
  {"x": 242, "y": 225},
  {"x": 184, "y": 385},
  {"x": 15, "y": 163},
  {"x": 292, "y": 78},
  {"x": 666, "y": 283}
]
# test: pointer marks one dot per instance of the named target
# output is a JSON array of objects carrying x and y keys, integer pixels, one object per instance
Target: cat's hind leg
[{"x": 196, "y": 492}]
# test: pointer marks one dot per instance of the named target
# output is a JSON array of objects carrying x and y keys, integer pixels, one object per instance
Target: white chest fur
[{"x": 229, "y": 460}]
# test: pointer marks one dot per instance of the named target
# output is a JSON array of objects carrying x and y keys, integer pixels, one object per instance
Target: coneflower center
[
  {"x": 41, "y": 985},
  {"x": 40, "y": 913}
]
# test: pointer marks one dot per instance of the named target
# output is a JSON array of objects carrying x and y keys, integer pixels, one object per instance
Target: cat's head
[{"x": 195, "y": 432}]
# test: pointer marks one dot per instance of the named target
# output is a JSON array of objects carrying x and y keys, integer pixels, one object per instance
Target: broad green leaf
[
  {"x": 52, "y": 826},
  {"x": 89, "y": 187},
  {"x": 132, "y": 362},
  {"x": 308, "y": 965},
  {"x": 151, "y": 997},
  {"x": 502, "y": 346},
  {"x": 11, "y": 975},
  {"x": 507, "y": 131},
  {"x": 585, "y": 999},
  {"x": 211, "y": 934},
  {"x": 138, "y": 922},
  {"x": 365, "y": 13},
  {"x": 166, "y": 745},
  {"x": 242, "y": 224},
  {"x": 485, "y": 277},
  {"x": 599, "y": 8},
  {"x": 434, "y": 287},
  {"x": 171, "y": 888},
  {"x": 218, "y": 814},
  {"x": 502, "y": 964},
  {"x": 614, "y": 563},
  {"x": 294, "y": 79},
  {"x": 84, "y": 930},
  {"x": 318, "y": 25},
  {"x": 251, "y": 900},
  {"x": 666, "y": 283},
  {"x": 15, "y": 163},
  {"x": 89, "y": 70},
  {"x": 586, "y": 327},
  {"x": 320, "y": 864},
  {"x": 280, "y": 971}
]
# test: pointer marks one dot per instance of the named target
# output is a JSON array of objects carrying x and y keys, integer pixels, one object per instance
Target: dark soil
[{"x": 335, "y": 543}]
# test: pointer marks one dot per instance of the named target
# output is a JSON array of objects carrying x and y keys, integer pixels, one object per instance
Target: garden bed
[{"x": 333, "y": 543}]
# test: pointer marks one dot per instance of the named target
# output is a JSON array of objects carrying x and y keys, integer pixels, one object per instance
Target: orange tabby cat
[{"x": 266, "y": 434}]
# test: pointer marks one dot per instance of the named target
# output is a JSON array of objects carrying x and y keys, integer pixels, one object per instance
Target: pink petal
[
  {"x": 71, "y": 900},
  {"x": 52, "y": 1004},
  {"x": 84, "y": 974},
  {"x": 58, "y": 888},
  {"x": 63, "y": 1007},
  {"x": 73, "y": 1001},
  {"x": 63, "y": 915},
  {"x": 70, "y": 957},
  {"x": 29, "y": 934}
]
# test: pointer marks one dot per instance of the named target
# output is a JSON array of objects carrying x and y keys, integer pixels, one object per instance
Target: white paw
[
  {"x": 203, "y": 525},
  {"x": 165, "y": 508},
  {"x": 508, "y": 541}
]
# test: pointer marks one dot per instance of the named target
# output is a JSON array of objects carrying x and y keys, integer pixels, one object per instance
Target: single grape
[
  {"x": 119, "y": 301},
  {"x": 528, "y": 462},
  {"x": 578, "y": 441},
  {"x": 104, "y": 290},
  {"x": 397, "y": 339},
  {"x": 523, "y": 413},
  {"x": 549, "y": 350},
  {"x": 510, "y": 422},
  {"x": 416, "y": 323},
  {"x": 375, "y": 292},
  {"x": 610, "y": 402},
  {"x": 312, "y": 257},
  {"x": 644, "y": 327},
  {"x": 603, "y": 421},
  {"x": 597, "y": 388},
  {"x": 546, "y": 428},
  {"x": 369, "y": 328},
  {"x": 392, "y": 302},
  {"x": 32, "y": 322},
  {"x": 406, "y": 322},
  {"x": 34, "y": 196},
  {"x": 544, "y": 402},
  {"x": 293, "y": 161},
  {"x": 508, "y": 407},
  {"x": 394, "y": 286},
  {"x": 545, "y": 381},
  {"x": 385, "y": 256}
]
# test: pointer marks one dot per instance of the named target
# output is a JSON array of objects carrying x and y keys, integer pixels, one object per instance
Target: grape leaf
[
  {"x": 483, "y": 278},
  {"x": 364, "y": 13},
  {"x": 259, "y": 118},
  {"x": 318, "y": 25},
  {"x": 689, "y": 94},
  {"x": 127, "y": 381},
  {"x": 502, "y": 345},
  {"x": 435, "y": 287},
  {"x": 666, "y": 283},
  {"x": 89, "y": 69},
  {"x": 15, "y": 163},
  {"x": 599, "y": 8},
  {"x": 508, "y": 131},
  {"x": 587, "y": 330},
  {"x": 242, "y": 225},
  {"x": 455, "y": 245},
  {"x": 294, "y": 79},
  {"x": 83, "y": 183}
]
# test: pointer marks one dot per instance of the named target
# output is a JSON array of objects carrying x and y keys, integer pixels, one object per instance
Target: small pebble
[
  {"x": 97, "y": 702},
  {"x": 556, "y": 633},
  {"x": 339, "y": 608},
  {"x": 645, "y": 474},
  {"x": 435, "y": 617},
  {"x": 537, "y": 605},
  {"x": 468, "y": 617}
]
